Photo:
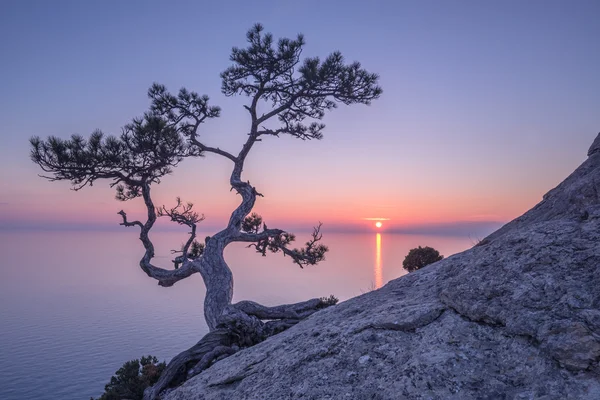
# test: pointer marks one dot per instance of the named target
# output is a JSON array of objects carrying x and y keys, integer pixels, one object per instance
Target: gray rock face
[{"x": 515, "y": 317}]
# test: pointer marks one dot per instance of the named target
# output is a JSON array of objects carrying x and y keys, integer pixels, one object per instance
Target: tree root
[{"x": 240, "y": 326}]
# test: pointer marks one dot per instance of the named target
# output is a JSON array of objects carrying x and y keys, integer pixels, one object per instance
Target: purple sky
[{"x": 486, "y": 105}]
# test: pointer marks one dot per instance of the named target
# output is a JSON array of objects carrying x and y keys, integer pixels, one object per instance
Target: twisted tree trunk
[
  {"x": 239, "y": 326},
  {"x": 218, "y": 279},
  {"x": 231, "y": 326}
]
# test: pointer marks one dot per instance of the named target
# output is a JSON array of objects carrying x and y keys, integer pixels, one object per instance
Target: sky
[{"x": 486, "y": 107}]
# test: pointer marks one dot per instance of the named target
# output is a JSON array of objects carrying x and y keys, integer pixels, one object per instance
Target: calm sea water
[{"x": 75, "y": 305}]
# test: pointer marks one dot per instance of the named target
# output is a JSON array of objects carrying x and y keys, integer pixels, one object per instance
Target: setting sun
[{"x": 378, "y": 224}]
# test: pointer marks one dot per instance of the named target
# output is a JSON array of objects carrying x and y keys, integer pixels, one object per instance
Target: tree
[
  {"x": 419, "y": 257},
  {"x": 287, "y": 96}
]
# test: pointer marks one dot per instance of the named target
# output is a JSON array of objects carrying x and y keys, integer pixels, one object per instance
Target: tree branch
[
  {"x": 164, "y": 277},
  {"x": 127, "y": 223},
  {"x": 183, "y": 214},
  {"x": 284, "y": 311},
  {"x": 147, "y": 149},
  {"x": 214, "y": 150},
  {"x": 275, "y": 240},
  {"x": 186, "y": 112}
]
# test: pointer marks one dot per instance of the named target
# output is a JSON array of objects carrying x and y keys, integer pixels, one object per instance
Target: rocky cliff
[{"x": 515, "y": 317}]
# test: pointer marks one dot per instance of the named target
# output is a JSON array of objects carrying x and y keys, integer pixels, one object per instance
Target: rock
[
  {"x": 515, "y": 317},
  {"x": 595, "y": 146}
]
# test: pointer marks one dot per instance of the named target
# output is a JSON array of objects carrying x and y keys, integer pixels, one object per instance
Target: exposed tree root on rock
[{"x": 242, "y": 325}]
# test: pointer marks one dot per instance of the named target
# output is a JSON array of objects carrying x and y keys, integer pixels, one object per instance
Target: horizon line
[{"x": 453, "y": 228}]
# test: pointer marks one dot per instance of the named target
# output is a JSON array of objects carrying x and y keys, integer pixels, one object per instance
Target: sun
[{"x": 378, "y": 224}]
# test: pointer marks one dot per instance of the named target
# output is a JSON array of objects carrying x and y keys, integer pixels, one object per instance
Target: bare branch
[
  {"x": 214, "y": 150},
  {"x": 163, "y": 276},
  {"x": 284, "y": 311},
  {"x": 183, "y": 214},
  {"x": 127, "y": 223}
]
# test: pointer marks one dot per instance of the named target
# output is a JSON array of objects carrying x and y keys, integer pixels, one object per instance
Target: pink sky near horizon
[{"x": 337, "y": 201}]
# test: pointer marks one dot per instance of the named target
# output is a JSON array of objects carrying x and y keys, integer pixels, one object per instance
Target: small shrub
[
  {"x": 130, "y": 381},
  {"x": 419, "y": 257}
]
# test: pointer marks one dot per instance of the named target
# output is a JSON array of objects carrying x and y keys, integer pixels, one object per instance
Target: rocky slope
[{"x": 515, "y": 317}]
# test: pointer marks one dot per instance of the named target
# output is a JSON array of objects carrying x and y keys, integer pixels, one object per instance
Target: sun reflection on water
[{"x": 378, "y": 268}]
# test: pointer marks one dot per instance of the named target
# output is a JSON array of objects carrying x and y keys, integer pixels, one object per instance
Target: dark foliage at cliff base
[
  {"x": 130, "y": 381},
  {"x": 420, "y": 257}
]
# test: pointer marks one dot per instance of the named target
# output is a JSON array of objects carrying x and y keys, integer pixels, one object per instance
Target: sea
[{"x": 75, "y": 305}]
